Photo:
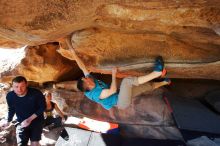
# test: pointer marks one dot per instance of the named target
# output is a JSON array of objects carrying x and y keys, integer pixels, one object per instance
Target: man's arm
[
  {"x": 41, "y": 107},
  {"x": 11, "y": 111},
  {"x": 113, "y": 88},
  {"x": 11, "y": 108},
  {"x": 41, "y": 102},
  {"x": 78, "y": 60}
]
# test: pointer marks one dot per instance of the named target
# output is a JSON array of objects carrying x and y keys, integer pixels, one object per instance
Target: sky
[{"x": 9, "y": 58}]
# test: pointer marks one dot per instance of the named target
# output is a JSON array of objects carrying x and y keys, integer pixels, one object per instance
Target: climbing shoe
[{"x": 159, "y": 66}]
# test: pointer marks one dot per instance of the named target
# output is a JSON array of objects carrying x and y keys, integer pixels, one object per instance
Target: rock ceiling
[{"x": 106, "y": 33}]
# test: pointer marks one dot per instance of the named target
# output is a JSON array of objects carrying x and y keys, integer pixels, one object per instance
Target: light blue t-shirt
[{"x": 94, "y": 95}]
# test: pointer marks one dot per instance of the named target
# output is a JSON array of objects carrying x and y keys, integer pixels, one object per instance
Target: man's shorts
[{"x": 32, "y": 132}]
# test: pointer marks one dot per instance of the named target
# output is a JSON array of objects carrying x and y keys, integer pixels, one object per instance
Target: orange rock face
[
  {"x": 42, "y": 64},
  {"x": 107, "y": 33},
  {"x": 126, "y": 34}
]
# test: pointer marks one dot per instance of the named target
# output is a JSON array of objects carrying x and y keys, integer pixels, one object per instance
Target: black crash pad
[
  {"x": 79, "y": 137},
  {"x": 191, "y": 114},
  {"x": 150, "y": 142},
  {"x": 213, "y": 99}
]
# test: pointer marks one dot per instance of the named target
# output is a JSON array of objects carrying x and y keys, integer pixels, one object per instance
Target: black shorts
[{"x": 32, "y": 132}]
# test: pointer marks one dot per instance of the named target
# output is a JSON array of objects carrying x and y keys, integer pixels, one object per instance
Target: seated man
[
  {"x": 50, "y": 120},
  {"x": 107, "y": 96}
]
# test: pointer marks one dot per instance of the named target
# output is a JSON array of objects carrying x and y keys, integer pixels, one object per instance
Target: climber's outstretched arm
[{"x": 78, "y": 60}]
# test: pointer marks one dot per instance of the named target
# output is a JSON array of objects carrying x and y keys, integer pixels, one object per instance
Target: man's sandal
[{"x": 168, "y": 80}]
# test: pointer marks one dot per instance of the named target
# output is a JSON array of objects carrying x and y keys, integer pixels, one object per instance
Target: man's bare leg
[
  {"x": 148, "y": 77},
  {"x": 125, "y": 94},
  {"x": 159, "y": 71},
  {"x": 160, "y": 84}
]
